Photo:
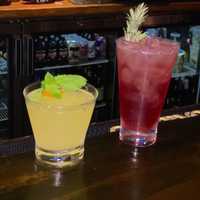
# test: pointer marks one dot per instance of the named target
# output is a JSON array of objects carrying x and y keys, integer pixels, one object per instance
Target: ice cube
[{"x": 126, "y": 75}]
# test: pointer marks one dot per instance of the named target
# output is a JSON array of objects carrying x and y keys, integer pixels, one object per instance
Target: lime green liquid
[{"x": 60, "y": 124}]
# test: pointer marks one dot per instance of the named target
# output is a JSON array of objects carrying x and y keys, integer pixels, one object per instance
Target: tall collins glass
[{"x": 144, "y": 71}]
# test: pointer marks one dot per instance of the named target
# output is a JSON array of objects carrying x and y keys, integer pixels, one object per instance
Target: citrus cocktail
[{"x": 60, "y": 124}]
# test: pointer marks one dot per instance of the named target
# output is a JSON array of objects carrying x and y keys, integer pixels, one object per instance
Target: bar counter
[
  {"x": 170, "y": 169},
  {"x": 18, "y": 10}
]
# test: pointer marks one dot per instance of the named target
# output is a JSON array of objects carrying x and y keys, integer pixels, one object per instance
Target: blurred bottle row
[
  {"x": 68, "y": 48},
  {"x": 183, "y": 88},
  {"x": 59, "y": 53},
  {"x": 189, "y": 39}
]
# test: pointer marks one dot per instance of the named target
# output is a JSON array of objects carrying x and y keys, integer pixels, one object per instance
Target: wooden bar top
[
  {"x": 18, "y": 10},
  {"x": 170, "y": 169}
]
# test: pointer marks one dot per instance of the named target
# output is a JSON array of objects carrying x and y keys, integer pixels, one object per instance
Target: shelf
[
  {"x": 100, "y": 105},
  {"x": 94, "y": 62},
  {"x": 66, "y": 7},
  {"x": 3, "y": 73},
  {"x": 188, "y": 71}
]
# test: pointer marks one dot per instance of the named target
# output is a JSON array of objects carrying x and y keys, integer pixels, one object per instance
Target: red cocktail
[{"x": 144, "y": 71}]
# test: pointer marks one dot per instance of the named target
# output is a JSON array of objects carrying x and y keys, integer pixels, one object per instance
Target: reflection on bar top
[{"x": 184, "y": 115}]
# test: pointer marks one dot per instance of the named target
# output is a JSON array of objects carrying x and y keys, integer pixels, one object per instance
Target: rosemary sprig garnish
[{"x": 135, "y": 18}]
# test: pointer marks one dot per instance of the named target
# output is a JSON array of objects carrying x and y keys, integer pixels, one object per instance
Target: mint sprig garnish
[
  {"x": 55, "y": 85},
  {"x": 53, "y": 90},
  {"x": 49, "y": 78},
  {"x": 71, "y": 82}
]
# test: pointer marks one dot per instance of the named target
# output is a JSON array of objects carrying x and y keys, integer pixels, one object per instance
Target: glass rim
[
  {"x": 59, "y": 106},
  {"x": 149, "y": 37},
  {"x": 144, "y": 48}
]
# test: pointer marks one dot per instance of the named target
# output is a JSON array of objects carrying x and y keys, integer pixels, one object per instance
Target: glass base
[
  {"x": 137, "y": 138},
  {"x": 59, "y": 159}
]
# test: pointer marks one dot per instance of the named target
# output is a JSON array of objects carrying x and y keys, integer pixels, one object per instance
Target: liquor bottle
[
  {"x": 62, "y": 50},
  {"x": 91, "y": 50},
  {"x": 91, "y": 45},
  {"x": 40, "y": 51},
  {"x": 162, "y": 32},
  {"x": 100, "y": 45},
  {"x": 52, "y": 49},
  {"x": 73, "y": 51},
  {"x": 83, "y": 49},
  {"x": 185, "y": 45},
  {"x": 194, "y": 56}
]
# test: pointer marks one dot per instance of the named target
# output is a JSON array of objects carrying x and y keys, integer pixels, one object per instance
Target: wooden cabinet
[{"x": 22, "y": 21}]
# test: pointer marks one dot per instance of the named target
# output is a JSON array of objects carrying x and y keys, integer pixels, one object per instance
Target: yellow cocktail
[{"x": 60, "y": 124}]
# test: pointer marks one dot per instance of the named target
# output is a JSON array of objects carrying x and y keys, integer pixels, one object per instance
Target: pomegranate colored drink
[{"x": 144, "y": 72}]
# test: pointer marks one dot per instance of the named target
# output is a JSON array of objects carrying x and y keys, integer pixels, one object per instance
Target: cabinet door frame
[{"x": 12, "y": 32}]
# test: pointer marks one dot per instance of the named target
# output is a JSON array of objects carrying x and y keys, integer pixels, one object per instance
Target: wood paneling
[{"x": 18, "y": 10}]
